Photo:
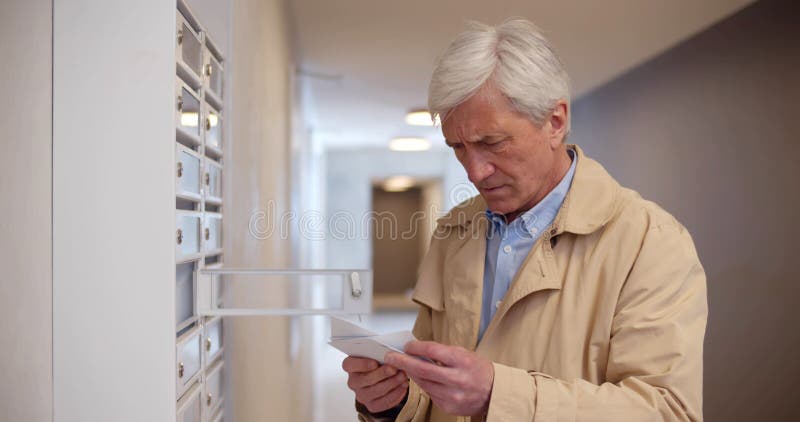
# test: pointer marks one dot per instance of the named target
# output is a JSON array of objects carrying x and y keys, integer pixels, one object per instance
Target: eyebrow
[{"x": 482, "y": 139}]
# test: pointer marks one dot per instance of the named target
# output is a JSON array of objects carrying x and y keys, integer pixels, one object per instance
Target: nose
[{"x": 477, "y": 166}]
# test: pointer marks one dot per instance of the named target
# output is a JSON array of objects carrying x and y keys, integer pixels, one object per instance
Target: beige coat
[{"x": 603, "y": 322}]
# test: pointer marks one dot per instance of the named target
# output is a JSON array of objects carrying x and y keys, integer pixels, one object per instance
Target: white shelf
[
  {"x": 188, "y": 75},
  {"x": 212, "y": 252},
  {"x": 213, "y": 200},
  {"x": 213, "y": 49},
  {"x": 213, "y": 99},
  {"x": 189, "y": 197},
  {"x": 187, "y": 138},
  {"x": 187, "y": 13},
  {"x": 186, "y": 258},
  {"x": 186, "y": 324},
  {"x": 216, "y": 153}
]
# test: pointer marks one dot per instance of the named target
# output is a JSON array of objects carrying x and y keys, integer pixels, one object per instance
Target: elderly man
[{"x": 555, "y": 295}]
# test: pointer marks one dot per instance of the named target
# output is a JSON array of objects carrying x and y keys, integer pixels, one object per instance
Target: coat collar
[{"x": 589, "y": 205}]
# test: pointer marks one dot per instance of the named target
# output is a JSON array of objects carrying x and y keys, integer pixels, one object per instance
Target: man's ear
[{"x": 558, "y": 123}]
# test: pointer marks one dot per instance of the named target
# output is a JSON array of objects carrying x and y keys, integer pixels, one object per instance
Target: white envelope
[{"x": 355, "y": 340}]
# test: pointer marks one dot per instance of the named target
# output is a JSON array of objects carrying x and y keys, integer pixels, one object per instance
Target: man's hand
[
  {"x": 460, "y": 383},
  {"x": 378, "y": 387}
]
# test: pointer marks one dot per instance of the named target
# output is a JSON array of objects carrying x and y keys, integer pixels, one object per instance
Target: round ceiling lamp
[
  {"x": 409, "y": 144},
  {"x": 420, "y": 118}
]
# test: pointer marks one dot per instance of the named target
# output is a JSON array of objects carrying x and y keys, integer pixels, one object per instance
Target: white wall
[
  {"x": 113, "y": 212},
  {"x": 25, "y": 229}
]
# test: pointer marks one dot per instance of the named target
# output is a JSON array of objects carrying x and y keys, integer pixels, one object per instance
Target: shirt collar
[{"x": 538, "y": 218}]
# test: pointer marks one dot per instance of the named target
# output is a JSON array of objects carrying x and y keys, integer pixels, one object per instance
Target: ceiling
[{"x": 365, "y": 63}]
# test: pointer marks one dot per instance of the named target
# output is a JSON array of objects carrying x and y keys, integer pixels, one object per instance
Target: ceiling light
[
  {"x": 420, "y": 118},
  {"x": 398, "y": 183},
  {"x": 409, "y": 144}
]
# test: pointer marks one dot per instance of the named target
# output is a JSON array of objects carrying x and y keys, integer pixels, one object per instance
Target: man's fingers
[
  {"x": 433, "y": 388},
  {"x": 359, "y": 380},
  {"x": 353, "y": 364},
  {"x": 382, "y": 388},
  {"x": 388, "y": 401},
  {"x": 448, "y": 355},
  {"x": 417, "y": 368}
]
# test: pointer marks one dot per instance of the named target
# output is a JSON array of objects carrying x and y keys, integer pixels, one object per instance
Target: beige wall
[
  {"x": 25, "y": 229},
  {"x": 709, "y": 130},
  {"x": 263, "y": 378}
]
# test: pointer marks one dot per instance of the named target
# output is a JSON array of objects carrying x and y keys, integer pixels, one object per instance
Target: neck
[{"x": 560, "y": 170}]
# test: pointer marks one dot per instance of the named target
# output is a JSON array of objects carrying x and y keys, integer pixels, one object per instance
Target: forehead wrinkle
[
  {"x": 467, "y": 132},
  {"x": 477, "y": 117},
  {"x": 486, "y": 130},
  {"x": 475, "y": 130}
]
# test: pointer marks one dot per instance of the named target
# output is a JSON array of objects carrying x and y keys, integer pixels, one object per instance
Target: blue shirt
[{"x": 507, "y": 245}]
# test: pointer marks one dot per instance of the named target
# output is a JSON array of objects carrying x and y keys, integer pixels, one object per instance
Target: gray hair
[{"x": 514, "y": 56}]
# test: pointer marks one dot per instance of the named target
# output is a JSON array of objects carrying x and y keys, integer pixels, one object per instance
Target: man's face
[{"x": 511, "y": 161}]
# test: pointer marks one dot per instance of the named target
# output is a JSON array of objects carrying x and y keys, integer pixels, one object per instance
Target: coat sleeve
[{"x": 655, "y": 362}]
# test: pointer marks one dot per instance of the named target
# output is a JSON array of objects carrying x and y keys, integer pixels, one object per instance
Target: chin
[{"x": 500, "y": 207}]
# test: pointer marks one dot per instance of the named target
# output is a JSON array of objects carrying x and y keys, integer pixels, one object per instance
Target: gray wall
[
  {"x": 26, "y": 285},
  {"x": 710, "y": 131}
]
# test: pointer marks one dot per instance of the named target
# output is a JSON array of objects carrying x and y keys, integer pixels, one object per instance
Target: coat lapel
[
  {"x": 465, "y": 282},
  {"x": 537, "y": 273}
]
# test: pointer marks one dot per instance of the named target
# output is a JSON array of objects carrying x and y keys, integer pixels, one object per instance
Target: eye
[{"x": 495, "y": 142}]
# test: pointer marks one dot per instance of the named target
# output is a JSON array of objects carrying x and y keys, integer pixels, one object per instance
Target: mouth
[{"x": 493, "y": 189}]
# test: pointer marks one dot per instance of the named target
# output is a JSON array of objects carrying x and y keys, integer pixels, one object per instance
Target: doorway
[{"x": 402, "y": 218}]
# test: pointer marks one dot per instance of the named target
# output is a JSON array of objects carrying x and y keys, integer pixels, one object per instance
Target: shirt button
[
  {"x": 534, "y": 230},
  {"x": 507, "y": 248},
  {"x": 497, "y": 304}
]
